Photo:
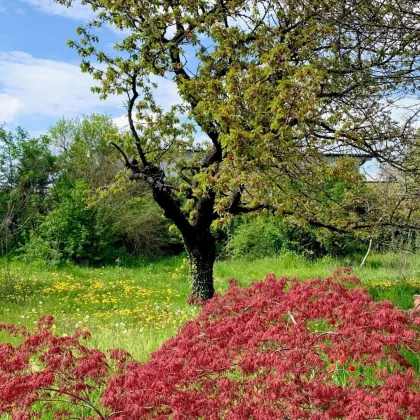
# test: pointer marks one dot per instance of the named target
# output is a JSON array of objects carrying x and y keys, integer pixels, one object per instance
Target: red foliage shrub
[
  {"x": 276, "y": 350},
  {"x": 47, "y": 373},
  {"x": 280, "y": 350}
]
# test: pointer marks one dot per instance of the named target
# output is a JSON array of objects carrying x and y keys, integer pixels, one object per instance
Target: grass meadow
[{"x": 138, "y": 308}]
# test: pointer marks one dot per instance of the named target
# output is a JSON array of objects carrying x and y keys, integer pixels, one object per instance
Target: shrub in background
[
  {"x": 396, "y": 239},
  {"x": 64, "y": 198},
  {"x": 27, "y": 170},
  {"x": 136, "y": 219},
  {"x": 73, "y": 231},
  {"x": 81, "y": 229},
  {"x": 268, "y": 235},
  {"x": 256, "y": 238}
]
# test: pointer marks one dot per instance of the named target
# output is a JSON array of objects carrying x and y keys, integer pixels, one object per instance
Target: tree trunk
[
  {"x": 202, "y": 255},
  {"x": 199, "y": 242}
]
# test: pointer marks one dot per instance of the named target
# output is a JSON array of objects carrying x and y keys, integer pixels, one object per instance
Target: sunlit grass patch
[{"x": 139, "y": 308}]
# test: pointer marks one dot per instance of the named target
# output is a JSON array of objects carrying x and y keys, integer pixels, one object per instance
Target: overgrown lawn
[{"x": 138, "y": 308}]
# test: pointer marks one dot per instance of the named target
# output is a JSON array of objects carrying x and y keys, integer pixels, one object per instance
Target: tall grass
[{"x": 138, "y": 308}]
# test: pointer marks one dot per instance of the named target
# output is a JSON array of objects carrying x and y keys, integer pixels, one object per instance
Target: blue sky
[{"x": 40, "y": 79}]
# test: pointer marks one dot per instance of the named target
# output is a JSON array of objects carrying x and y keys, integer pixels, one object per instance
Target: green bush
[
  {"x": 256, "y": 238},
  {"x": 41, "y": 250},
  {"x": 264, "y": 236},
  {"x": 72, "y": 231},
  {"x": 27, "y": 170},
  {"x": 80, "y": 229},
  {"x": 140, "y": 226}
]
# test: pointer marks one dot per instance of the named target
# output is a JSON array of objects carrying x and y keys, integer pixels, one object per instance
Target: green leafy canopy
[{"x": 273, "y": 85}]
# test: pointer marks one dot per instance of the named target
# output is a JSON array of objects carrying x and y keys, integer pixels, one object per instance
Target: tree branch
[{"x": 133, "y": 130}]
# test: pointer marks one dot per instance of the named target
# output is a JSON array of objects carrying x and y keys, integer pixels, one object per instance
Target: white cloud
[
  {"x": 121, "y": 122},
  {"x": 48, "y": 88},
  {"x": 166, "y": 93},
  {"x": 42, "y": 88},
  {"x": 76, "y": 11},
  {"x": 406, "y": 109},
  {"x": 9, "y": 107}
]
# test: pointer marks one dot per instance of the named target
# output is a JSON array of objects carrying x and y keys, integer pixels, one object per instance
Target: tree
[
  {"x": 125, "y": 206},
  {"x": 83, "y": 146},
  {"x": 95, "y": 214},
  {"x": 27, "y": 170},
  {"x": 272, "y": 85}
]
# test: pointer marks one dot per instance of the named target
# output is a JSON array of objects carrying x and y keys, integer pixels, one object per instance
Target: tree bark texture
[{"x": 202, "y": 255}]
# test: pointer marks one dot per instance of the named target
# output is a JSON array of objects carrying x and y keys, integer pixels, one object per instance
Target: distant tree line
[{"x": 66, "y": 197}]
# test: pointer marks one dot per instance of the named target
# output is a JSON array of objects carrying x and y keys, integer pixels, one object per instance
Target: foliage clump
[
  {"x": 271, "y": 95},
  {"x": 268, "y": 235},
  {"x": 48, "y": 373},
  {"x": 280, "y": 349},
  {"x": 64, "y": 198}
]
